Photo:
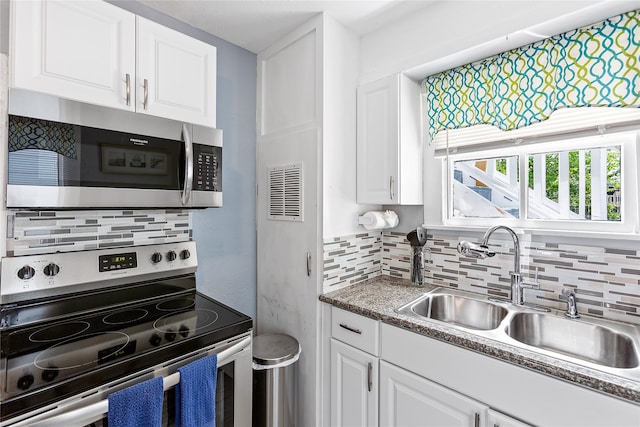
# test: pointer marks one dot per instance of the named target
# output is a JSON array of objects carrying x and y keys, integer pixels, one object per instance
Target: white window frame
[{"x": 629, "y": 180}]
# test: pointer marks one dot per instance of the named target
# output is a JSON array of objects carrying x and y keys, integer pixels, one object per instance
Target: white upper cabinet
[
  {"x": 82, "y": 51},
  {"x": 389, "y": 147},
  {"x": 176, "y": 75},
  {"x": 94, "y": 52}
]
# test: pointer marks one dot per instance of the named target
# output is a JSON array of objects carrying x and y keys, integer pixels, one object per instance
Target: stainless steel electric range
[{"x": 75, "y": 327}]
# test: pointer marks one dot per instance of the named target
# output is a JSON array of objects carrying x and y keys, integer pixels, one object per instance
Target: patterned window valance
[{"x": 598, "y": 65}]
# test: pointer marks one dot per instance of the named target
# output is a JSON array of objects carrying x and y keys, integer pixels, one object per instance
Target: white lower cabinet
[
  {"x": 408, "y": 400},
  {"x": 425, "y": 382},
  {"x": 354, "y": 386}
]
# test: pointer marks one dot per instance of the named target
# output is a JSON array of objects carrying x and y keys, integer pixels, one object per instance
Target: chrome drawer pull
[{"x": 348, "y": 328}]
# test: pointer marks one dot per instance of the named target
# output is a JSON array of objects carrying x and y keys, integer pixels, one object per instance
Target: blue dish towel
[
  {"x": 138, "y": 405},
  {"x": 196, "y": 393}
]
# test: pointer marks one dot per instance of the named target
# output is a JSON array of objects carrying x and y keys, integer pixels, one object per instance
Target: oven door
[{"x": 233, "y": 391}]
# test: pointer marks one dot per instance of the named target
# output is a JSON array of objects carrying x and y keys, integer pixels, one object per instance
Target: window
[{"x": 591, "y": 184}]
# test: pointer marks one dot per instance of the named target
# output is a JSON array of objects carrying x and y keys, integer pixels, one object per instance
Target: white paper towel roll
[
  {"x": 392, "y": 219},
  {"x": 378, "y": 220}
]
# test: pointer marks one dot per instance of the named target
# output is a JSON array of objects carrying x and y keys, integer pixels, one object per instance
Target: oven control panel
[
  {"x": 118, "y": 261},
  {"x": 36, "y": 276}
]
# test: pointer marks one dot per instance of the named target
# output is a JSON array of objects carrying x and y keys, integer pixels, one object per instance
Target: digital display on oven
[{"x": 117, "y": 261}]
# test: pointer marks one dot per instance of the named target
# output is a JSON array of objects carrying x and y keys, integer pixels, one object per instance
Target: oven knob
[
  {"x": 170, "y": 335},
  {"x": 185, "y": 254},
  {"x": 171, "y": 256},
  {"x": 184, "y": 331},
  {"x": 26, "y": 272},
  {"x": 50, "y": 374},
  {"x": 51, "y": 269},
  {"x": 156, "y": 257},
  {"x": 25, "y": 381},
  {"x": 155, "y": 340}
]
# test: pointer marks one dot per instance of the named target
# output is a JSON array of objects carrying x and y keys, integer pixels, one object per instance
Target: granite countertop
[{"x": 378, "y": 298}]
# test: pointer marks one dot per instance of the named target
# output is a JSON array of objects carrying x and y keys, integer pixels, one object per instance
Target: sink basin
[
  {"x": 585, "y": 341},
  {"x": 457, "y": 310}
]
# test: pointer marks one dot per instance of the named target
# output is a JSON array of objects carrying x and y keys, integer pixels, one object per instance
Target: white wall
[
  {"x": 342, "y": 54},
  {"x": 427, "y": 41}
]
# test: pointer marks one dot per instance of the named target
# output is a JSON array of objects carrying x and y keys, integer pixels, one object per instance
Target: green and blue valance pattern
[{"x": 596, "y": 65}]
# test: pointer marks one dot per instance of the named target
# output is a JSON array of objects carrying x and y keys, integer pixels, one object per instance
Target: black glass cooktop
[{"x": 51, "y": 349}]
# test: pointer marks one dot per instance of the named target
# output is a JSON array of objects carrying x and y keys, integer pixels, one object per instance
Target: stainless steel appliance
[
  {"x": 75, "y": 327},
  {"x": 65, "y": 154}
]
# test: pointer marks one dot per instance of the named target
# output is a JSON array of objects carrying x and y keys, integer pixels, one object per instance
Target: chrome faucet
[
  {"x": 572, "y": 307},
  {"x": 482, "y": 251}
]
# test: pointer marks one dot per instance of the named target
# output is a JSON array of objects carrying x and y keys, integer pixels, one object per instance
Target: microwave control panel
[{"x": 207, "y": 164}]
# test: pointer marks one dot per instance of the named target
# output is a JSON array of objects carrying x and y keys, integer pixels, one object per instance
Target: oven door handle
[
  {"x": 95, "y": 411},
  {"x": 188, "y": 165}
]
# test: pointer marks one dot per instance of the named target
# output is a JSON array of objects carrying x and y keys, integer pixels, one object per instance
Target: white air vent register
[{"x": 285, "y": 193}]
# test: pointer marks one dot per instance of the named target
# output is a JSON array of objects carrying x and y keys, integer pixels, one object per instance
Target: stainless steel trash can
[{"x": 275, "y": 380}]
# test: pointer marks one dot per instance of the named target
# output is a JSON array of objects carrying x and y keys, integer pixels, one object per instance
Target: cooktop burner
[
  {"x": 201, "y": 318},
  {"x": 125, "y": 316},
  {"x": 58, "y": 332},
  {"x": 175, "y": 304}
]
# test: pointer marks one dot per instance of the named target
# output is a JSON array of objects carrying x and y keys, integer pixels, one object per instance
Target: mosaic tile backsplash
[
  {"x": 352, "y": 259},
  {"x": 396, "y": 255},
  {"x": 40, "y": 232},
  {"x": 606, "y": 280}
]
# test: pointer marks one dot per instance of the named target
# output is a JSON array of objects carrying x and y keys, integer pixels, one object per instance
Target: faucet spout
[{"x": 516, "y": 244}]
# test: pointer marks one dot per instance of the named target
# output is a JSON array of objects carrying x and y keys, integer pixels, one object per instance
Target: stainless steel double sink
[{"x": 612, "y": 347}]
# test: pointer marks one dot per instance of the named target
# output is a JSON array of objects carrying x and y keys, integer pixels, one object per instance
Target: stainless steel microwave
[{"x": 67, "y": 155}]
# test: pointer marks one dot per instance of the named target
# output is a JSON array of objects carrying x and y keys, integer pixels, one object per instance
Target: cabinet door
[
  {"x": 377, "y": 141},
  {"x": 354, "y": 387},
  {"x": 409, "y": 400},
  {"x": 176, "y": 75},
  {"x": 498, "y": 419},
  {"x": 80, "y": 50}
]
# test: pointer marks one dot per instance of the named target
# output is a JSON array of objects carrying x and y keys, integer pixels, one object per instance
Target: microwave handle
[{"x": 188, "y": 165}]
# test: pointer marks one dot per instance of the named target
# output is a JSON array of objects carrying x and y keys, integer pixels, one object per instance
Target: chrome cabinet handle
[
  {"x": 145, "y": 84},
  {"x": 128, "y": 79},
  {"x": 391, "y": 194},
  {"x": 309, "y": 264},
  {"x": 369, "y": 376},
  {"x": 188, "y": 165},
  {"x": 350, "y": 329}
]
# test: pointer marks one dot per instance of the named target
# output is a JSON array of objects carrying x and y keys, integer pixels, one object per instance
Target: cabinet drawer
[{"x": 358, "y": 331}]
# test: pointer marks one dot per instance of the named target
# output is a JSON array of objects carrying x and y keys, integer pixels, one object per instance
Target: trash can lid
[{"x": 271, "y": 349}]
